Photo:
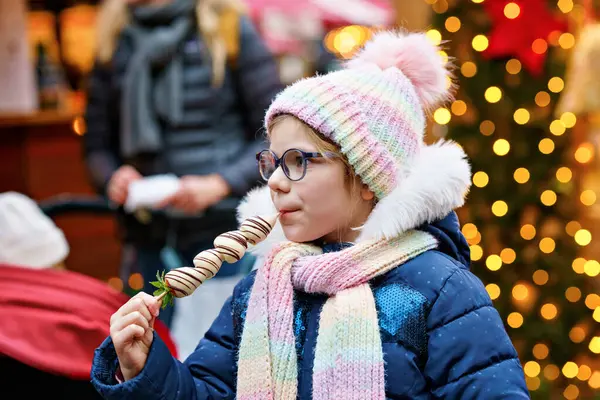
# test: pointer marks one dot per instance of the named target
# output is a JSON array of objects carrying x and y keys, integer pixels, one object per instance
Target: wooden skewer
[{"x": 160, "y": 297}]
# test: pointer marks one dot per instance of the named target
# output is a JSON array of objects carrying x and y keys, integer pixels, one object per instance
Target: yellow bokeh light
[
  {"x": 499, "y": 208},
  {"x": 532, "y": 369},
  {"x": 566, "y": 40},
  {"x": 527, "y": 232},
  {"x": 346, "y": 40},
  {"x": 549, "y": 311},
  {"x": 584, "y": 153},
  {"x": 487, "y": 128},
  {"x": 459, "y": 107},
  {"x": 515, "y": 320},
  {"x": 442, "y": 116},
  {"x": 440, "y": 6},
  {"x": 592, "y": 301},
  {"x": 468, "y": 69},
  {"x": 493, "y": 290},
  {"x": 548, "y": 198},
  {"x": 493, "y": 262},
  {"x": 520, "y": 292},
  {"x": 566, "y": 6},
  {"x": 591, "y": 268},
  {"x": 556, "y": 84},
  {"x": 584, "y": 373},
  {"x": 521, "y": 175},
  {"x": 577, "y": 334},
  {"x": 595, "y": 345},
  {"x": 571, "y": 392},
  {"x": 508, "y": 256},
  {"x": 533, "y": 384},
  {"x": 521, "y": 116},
  {"x": 480, "y": 179},
  {"x": 557, "y": 127},
  {"x": 513, "y": 66},
  {"x": 539, "y": 46},
  {"x": 572, "y": 227},
  {"x": 477, "y": 1},
  {"x": 476, "y": 252},
  {"x": 115, "y": 283},
  {"x": 596, "y": 314},
  {"x": 79, "y": 126},
  {"x": 551, "y": 372},
  {"x": 594, "y": 380},
  {"x": 480, "y": 43},
  {"x": 493, "y": 94},
  {"x": 501, "y": 147},
  {"x": 540, "y": 277},
  {"x": 588, "y": 197},
  {"x": 540, "y": 351},
  {"x": 578, "y": 265},
  {"x": 435, "y": 36},
  {"x": 546, "y": 146},
  {"x": 542, "y": 99},
  {"x": 570, "y": 369},
  {"x": 569, "y": 119},
  {"x": 564, "y": 174},
  {"x": 547, "y": 245},
  {"x": 512, "y": 10},
  {"x": 573, "y": 294},
  {"x": 553, "y": 37},
  {"x": 583, "y": 237},
  {"x": 452, "y": 24},
  {"x": 136, "y": 281},
  {"x": 469, "y": 230}
]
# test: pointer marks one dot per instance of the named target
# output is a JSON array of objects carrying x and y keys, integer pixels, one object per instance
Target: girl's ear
[{"x": 366, "y": 193}]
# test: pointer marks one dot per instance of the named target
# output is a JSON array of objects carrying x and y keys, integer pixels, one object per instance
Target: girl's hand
[{"x": 131, "y": 330}]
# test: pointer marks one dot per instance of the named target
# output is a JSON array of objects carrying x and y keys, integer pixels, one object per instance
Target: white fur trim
[{"x": 437, "y": 183}]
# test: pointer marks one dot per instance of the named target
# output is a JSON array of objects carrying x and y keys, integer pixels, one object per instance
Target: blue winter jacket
[{"x": 441, "y": 337}]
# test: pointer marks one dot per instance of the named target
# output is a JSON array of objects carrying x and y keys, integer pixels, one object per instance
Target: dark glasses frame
[{"x": 306, "y": 155}]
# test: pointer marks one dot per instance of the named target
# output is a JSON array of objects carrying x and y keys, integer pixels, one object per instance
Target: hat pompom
[{"x": 414, "y": 55}]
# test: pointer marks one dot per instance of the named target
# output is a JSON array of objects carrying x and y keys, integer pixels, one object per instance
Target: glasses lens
[
  {"x": 294, "y": 164},
  {"x": 266, "y": 164}
]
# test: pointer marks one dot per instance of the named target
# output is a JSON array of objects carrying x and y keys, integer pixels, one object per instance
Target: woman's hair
[
  {"x": 113, "y": 17},
  {"x": 322, "y": 144}
]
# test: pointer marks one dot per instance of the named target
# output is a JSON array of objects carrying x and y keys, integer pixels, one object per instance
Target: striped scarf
[{"x": 348, "y": 356}]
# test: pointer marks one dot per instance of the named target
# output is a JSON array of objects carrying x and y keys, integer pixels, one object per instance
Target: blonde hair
[{"x": 113, "y": 17}]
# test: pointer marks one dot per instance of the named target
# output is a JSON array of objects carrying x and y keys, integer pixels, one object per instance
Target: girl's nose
[{"x": 278, "y": 182}]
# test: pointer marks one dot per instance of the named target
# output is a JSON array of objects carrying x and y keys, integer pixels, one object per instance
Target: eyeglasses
[{"x": 293, "y": 163}]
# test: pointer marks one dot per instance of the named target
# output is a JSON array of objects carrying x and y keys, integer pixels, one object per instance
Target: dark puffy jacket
[
  {"x": 220, "y": 132},
  {"x": 441, "y": 336}
]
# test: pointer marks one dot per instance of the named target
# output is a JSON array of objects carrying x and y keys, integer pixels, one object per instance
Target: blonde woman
[{"x": 180, "y": 86}]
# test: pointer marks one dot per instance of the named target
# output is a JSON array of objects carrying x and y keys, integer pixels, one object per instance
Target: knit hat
[
  {"x": 28, "y": 237},
  {"x": 374, "y": 109}
]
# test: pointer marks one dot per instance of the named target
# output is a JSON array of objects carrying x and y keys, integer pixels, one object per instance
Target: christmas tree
[{"x": 521, "y": 217}]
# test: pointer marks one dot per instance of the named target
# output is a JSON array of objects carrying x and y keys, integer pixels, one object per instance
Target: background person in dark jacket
[{"x": 181, "y": 87}]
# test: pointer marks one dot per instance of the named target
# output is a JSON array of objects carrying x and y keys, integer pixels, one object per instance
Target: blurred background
[{"x": 527, "y": 112}]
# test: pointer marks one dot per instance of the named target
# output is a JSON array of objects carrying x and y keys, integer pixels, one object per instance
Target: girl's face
[{"x": 323, "y": 205}]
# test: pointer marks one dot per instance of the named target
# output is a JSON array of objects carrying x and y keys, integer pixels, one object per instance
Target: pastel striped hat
[{"x": 374, "y": 109}]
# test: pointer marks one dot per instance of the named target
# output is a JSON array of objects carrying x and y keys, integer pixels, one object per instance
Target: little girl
[{"x": 365, "y": 291}]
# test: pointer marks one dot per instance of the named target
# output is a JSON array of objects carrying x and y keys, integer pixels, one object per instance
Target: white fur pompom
[{"x": 413, "y": 54}]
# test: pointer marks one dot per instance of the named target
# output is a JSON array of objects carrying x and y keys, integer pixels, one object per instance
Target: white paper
[{"x": 150, "y": 191}]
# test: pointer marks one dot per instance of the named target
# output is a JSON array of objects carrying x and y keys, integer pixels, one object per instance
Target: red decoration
[{"x": 514, "y": 37}]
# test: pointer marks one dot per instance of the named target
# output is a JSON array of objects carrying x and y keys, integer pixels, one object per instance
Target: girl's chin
[{"x": 295, "y": 233}]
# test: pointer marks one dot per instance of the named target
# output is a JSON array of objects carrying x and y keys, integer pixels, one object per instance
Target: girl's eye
[{"x": 299, "y": 161}]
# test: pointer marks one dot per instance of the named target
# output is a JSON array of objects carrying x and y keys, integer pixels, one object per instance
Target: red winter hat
[{"x": 53, "y": 320}]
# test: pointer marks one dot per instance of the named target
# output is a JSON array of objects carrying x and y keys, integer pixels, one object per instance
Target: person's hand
[
  {"x": 118, "y": 185},
  {"x": 131, "y": 330},
  {"x": 197, "y": 193}
]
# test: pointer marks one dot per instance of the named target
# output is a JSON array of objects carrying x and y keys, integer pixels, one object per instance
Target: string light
[
  {"x": 539, "y": 46},
  {"x": 584, "y": 373},
  {"x": 583, "y": 237},
  {"x": 548, "y": 198},
  {"x": 584, "y": 153},
  {"x": 533, "y": 384},
  {"x": 442, "y": 116},
  {"x": 508, "y": 256},
  {"x": 476, "y": 252},
  {"x": 546, "y": 146},
  {"x": 493, "y": 262},
  {"x": 573, "y": 294},
  {"x": 452, "y": 24},
  {"x": 540, "y": 351},
  {"x": 527, "y": 232},
  {"x": 514, "y": 320},
  {"x": 577, "y": 334},
  {"x": 592, "y": 301},
  {"x": 520, "y": 292},
  {"x": 487, "y": 128},
  {"x": 594, "y": 381},
  {"x": 540, "y": 277},
  {"x": 136, "y": 281},
  {"x": 459, "y": 107},
  {"x": 115, "y": 283},
  {"x": 556, "y": 84},
  {"x": 572, "y": 227},
  {"x": 569, "y": 119},
  {"x": 521, "y": 175},
  {"x": 493, "y": 94},
  {"x": 571, "y": 392},
  {"x": 532, "y": 369},
  {"x": 566, "y": 6},
  {"x": 521, "y": 116},
  {"x": 551, "y": 372},
  {"x": 513, "y": 66},
  {"x": 588, "y": 197},
  {"x": 591, "y": 268},
  {"x": 542, "y": 99},
  {"x": 549, "y": 311},
  {"x": 480, "y": 43},
  {"x": 564, "y": 174},
  {"x": 578, "y": 265},
  {"x": 596, "y": 314},
  {"x": 468, "y": 69},
  {"x": 566, "y": 40},
  {"x": 480, "y": 179},
  {"x": 493, "y": 290},
  {"x": 512, "y": 10},
  {"x": 501, "y": 147},
  {"x": 595, "y": 345},
  {"x": 557, "y": 127},
  {"x": 547, "y": 245},
  {"x": 499, "y": 208},
  {"x": 435, "y": 36}
]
